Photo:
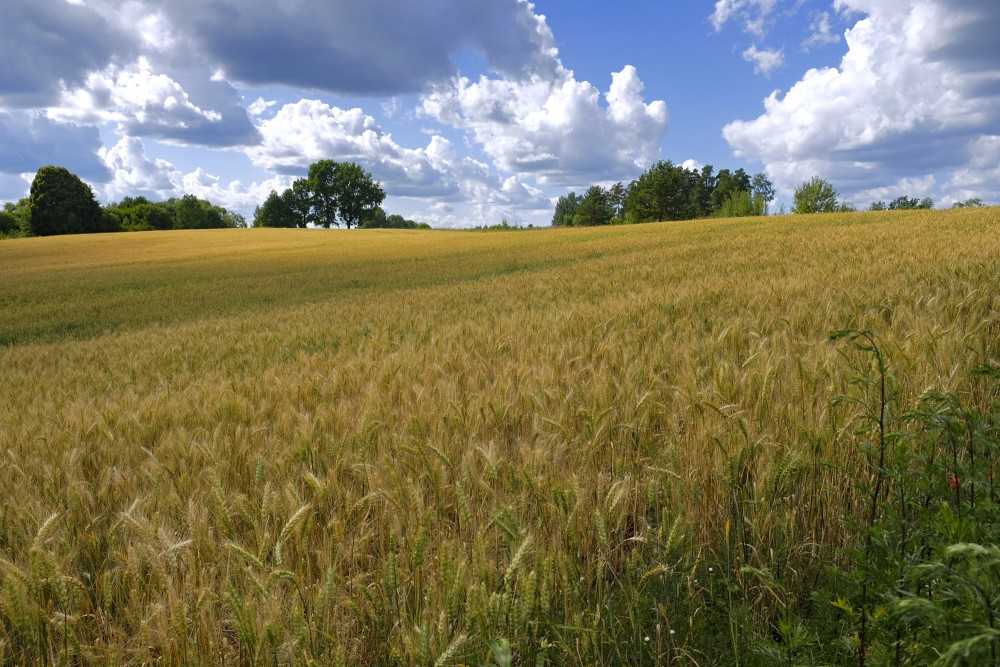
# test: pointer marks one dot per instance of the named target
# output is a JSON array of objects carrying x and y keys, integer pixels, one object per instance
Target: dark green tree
[
  {"x": 190, "y": 214},
  {"x": 358, "y": 193},
  {"x": 815, "y": 196},
  {"x": 565, "y": 210},
  {"x": 276, "y": 212},
  {"x": 134, "y": 214},
  {"x": 595, "y": 208},
  {"x": 214, "y": 218},
  {"x": 701, "y": 196},
  {"x": 665, "y": 191},
  {"x": 727, "y": 184},
  {"x": 341, "y": 192},
  {"x": 324, "y": 195},
  {"x": 298, "y": 199},
  {"x": 617, "y": 194},
  {"x": 60, "y": 203},
  {"x": 904, "y": 203},
  {"x": 396, "y": 221},
  {"x": 9, "y": 225},
  {"x": 375, "y": 219}
]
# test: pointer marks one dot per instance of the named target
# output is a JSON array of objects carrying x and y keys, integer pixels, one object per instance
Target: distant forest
[
  {"x": 61, "y": 203},
  {"x": 344, "y": 193},
  {"x": 667, "y": 191}
]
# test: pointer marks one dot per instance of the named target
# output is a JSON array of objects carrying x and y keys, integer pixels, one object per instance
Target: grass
[{"x": 568, "y": 446}]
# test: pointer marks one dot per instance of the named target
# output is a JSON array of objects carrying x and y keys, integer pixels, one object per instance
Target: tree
[
  {"x": 701, "y": 195},
  {"x": 815, "y": 196},
  {"x": 904, "y": 203},
  {"x": 275, "y": 212},
  {"x": 727, "y": 184},
  {"x": 60, "y": 203},
  {"x": 565, "y": 210},
  {"x": 358, "y": 193},
  {"x": 595, "y": 208},
  {"x": 324, "y": 197},
  {"x": 740, "y": 204},
  {"x": 233, "y": 220},
  {"x": 214, "y": 218},
  {"x": 340, "y": 192},
  {"x": 190, "y": 214},
  {"x": 15, "y": 218},
  {"x": 377, "y": 219},
  {"x": 761, "y": 193},
  {"x": 617, "y": 194},
  {"x": 9, "y": 225},
  {"x": 135, "y": 214},
  {"x": 665, "y": 191},
  {"x": 975, "y": 202},
  {"x": 298, "y": 199}
]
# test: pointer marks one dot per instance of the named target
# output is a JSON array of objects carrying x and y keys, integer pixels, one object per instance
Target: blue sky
[{"x": 472, "y": 112}]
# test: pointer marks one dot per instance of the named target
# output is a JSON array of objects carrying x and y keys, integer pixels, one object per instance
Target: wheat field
[{"x": 305, "y": 447}]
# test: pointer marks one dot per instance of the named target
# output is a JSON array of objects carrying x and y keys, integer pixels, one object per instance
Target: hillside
[{"x": 378, "y": 446}]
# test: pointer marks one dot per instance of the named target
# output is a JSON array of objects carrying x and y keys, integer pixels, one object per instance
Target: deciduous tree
[
  {"x": 338, "y": 192},
  {"x": 565, "y": 210},
  {"x": 190, "y": 214},
  {"x": 276, "y": 212},
  {"x": 815, "y": 196},
  {"x": 60, "y": 203},
  {"x": 358, "y": 193},
  {"x": 15, "y": 218},
  {"x": 665, "y": 191},
  {"x": 761, "y": 193},
  {"x": 324, "y": 196}
]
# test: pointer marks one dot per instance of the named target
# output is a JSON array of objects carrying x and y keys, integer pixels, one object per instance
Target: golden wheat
[{"x": 307, "y": 447}]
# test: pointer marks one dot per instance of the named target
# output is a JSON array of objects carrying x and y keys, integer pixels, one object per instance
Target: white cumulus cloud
[
  {"x": 764, "y": 60},
  {"x": 309, "y": 130},
  {"x": 754, "y": 14},
  {"x": 132, "y": 94},
  {"x": 916, "y": 95},
  {"x": 820, "y": 32},
  {"x": 134, "y": 173},
  {"x": 555, "y": 129}
]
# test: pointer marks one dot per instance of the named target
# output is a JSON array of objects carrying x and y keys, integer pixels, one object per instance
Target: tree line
[
  {"x": 668, "y": 191},
  {"x": 60, "y": 203},
  {"x": 332, "y": 193},
  {"x": 819, "y": 196},
  {"x": 336, "y": 193}
]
